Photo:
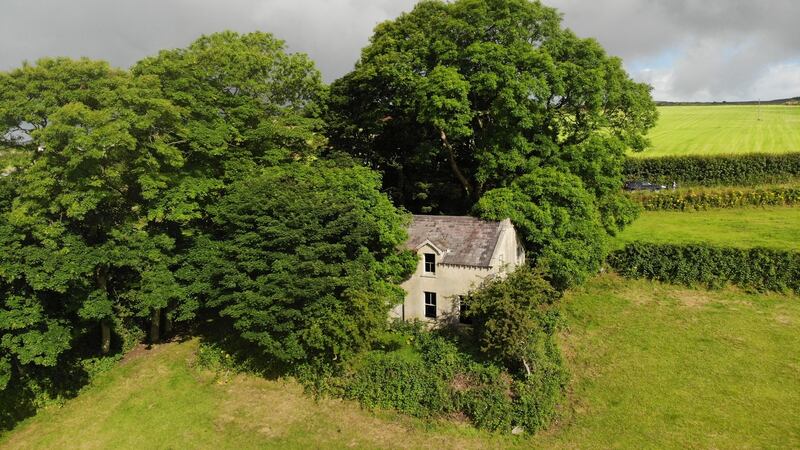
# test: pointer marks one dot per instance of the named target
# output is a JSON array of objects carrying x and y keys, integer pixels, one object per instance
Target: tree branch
[{"x": 454, "y": 165}]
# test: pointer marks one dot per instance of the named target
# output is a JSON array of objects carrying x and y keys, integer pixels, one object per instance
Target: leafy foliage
[
  {"x": 427, "y": 375},
  {"x": 79, "y": 241},
  {"x": 392, "y": 381},
  {"x": 247, "y": 103},
  {"x": 557, "y": 220},
  {"x": 736, "y": 169},
  {"x": 304, "y": 259},
  {"x": 113, "y": 174},
  {"x": 754, "y": 268},
  {"x": 513, "y": 316},
  {"x": 455, "y": 101}
]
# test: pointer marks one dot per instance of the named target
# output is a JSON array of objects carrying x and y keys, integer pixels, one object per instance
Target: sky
[{"x": 688, "y": 50}]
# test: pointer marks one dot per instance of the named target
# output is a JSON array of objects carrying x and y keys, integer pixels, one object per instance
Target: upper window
[
  {"x": 430, "y": 305},
  {"x": 430, "y": 263}
]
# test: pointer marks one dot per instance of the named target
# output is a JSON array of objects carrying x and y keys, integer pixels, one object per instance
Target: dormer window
[{"x": 430, "y": 263}]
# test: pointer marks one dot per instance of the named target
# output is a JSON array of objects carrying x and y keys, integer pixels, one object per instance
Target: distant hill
[{"x": 782, "y": 101}]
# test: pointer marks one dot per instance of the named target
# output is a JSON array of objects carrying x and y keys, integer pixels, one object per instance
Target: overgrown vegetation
[
  {"x": 712, "y": 266},
  {"x": 504, "y": 372},
  {"x": 303, "y": 259},
  {"x": 221, "y": 186},
  {"x": 484, "y": 101},
  {"x": 746, "y": 169},
  {"x": 702, "y": 199},
  {"x": 639, "y": 352},
  {"x": 124, "y": 165}
]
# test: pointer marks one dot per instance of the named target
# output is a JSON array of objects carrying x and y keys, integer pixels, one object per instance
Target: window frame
[
  {"x": 426, "y": 265},
  {"x": 430, "y": 301}
]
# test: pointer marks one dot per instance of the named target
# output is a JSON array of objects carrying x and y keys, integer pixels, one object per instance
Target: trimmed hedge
[
  {"x": 754, "y": 268},
  {"x": 742, "y": 169},
  {"x": 730, "y": 198}
]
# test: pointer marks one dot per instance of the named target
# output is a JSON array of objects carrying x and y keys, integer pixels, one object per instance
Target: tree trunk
[
  {"x": 454, "y": 166},
  {"x": 155, "y": 326},
  {"x": 527, "y": 367},
  {"x": 169, "y": 324},
  {"x": 101, "y": 282},
  {"x": 105, "y": 336}
]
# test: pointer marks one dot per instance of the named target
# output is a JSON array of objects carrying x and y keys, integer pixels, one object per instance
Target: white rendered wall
[{"x": 451, "y": 281}]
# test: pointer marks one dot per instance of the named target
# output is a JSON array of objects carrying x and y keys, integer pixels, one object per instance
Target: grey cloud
[
  {"x": 721, "y": 48},
  {"x": 724, "y": 47},
  {"x": 332, "y": 32}
]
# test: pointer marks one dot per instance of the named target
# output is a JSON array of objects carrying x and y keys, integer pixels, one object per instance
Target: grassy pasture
[
  {"x": 772, "y": 227},
  {"x": 652, "y": 365},
  {"x": 708, "y": 130}
]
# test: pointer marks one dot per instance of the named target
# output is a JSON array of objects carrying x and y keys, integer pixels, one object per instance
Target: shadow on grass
[
  {"x": 34, "y": 387},
  {"x": 222, "y": 348}
]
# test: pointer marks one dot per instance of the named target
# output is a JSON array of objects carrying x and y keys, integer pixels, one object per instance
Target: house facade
[{"x": 455, "y": 255}]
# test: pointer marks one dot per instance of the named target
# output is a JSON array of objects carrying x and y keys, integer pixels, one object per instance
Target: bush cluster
[
  {"x": 725, "y": 198},
  {"x": 426, "y": 374},
  {"x": 751, "y": 268},
  {"x": 742, "y": 169}
]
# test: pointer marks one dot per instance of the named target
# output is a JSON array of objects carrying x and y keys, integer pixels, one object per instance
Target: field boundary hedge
[
  {"x": 756, "y": 268},
  {"x": 716, "y": 170},
  {"x": 724, "y": 198}
]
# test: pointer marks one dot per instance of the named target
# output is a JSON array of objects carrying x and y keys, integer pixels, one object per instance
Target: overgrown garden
[{"x": 223, "y": 190}]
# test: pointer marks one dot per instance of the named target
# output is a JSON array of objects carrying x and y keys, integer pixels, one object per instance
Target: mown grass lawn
[
  {"x": 654, "y": 366},
  {"x": 707, "y": 130},
  {"x": 772, "y": 227}
]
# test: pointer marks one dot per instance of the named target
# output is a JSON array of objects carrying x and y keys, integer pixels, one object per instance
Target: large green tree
[
  {"x": 247, "y": 103},
  {"x": 119, "y": 171},
  {"x": 453, "y": 100},
  {"x": 305, "y": 260},
  {"x": 81, "y": 235}
]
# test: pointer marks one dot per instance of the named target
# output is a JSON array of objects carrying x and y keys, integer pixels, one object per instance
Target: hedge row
[
  {"x": 742, "y": 169},
  {"x": 729, "y": 198},
  {"x": 754, "y": 268}
]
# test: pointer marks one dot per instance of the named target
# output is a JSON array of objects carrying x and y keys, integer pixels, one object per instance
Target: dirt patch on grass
[
  {"x": 692, "y": 298},
  {"x": 137, "y": 352},
  {"x": 263, "y": 407},
  {"x": 783, "y": 319}
]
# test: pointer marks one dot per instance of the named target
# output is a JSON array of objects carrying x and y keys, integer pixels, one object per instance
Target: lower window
[
  {"x": 462, "y": 311},
  {"x": 430, "y": 304}
]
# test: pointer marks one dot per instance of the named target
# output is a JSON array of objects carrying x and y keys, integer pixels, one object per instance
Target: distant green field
[
  {"x": 707, "y": 130},
  {"x": 774, "y": 227}
]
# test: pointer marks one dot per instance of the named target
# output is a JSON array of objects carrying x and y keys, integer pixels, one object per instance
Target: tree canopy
[
  {"x": 81, "y": 224},
  {"x": 305, "y": 260},
  {"x": 121, "y": 168},
  {"x": 211, "y": 179},
  {"x": 454, "y": 100},
  {"x": 514, "y": 318}
]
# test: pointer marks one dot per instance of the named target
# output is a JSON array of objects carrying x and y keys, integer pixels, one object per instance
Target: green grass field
[
  {"x": 653, "y": 366},
  {"x": 773, "y": 227},
  {"x": 689, "y": 130}
]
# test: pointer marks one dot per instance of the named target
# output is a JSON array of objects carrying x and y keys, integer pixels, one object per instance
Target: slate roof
[{"x": 465, "y": 241}]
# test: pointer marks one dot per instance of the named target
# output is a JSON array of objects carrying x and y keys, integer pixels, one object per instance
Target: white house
[{"x": 456, "y": 254}]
